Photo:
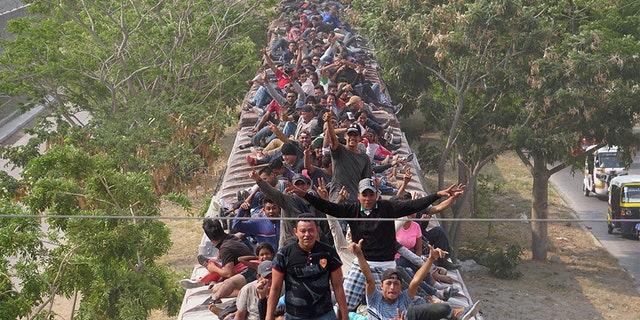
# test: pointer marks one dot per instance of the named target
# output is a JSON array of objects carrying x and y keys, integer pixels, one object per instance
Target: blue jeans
[
  {"x": 378, "y": 92},
  {"x": 280, "y": 43},
  {"x": 266, "y": 133},
  {"x": 262, "y": 98},
  {"x": 407, "y": 275}
]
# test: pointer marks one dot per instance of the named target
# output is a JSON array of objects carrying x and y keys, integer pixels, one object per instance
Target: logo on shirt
[{"x": 323, "y": 263}]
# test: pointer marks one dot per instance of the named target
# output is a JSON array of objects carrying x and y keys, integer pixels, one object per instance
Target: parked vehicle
[
  {"x": 624, "y": 204},
  {"x": 600, "y": 167}
]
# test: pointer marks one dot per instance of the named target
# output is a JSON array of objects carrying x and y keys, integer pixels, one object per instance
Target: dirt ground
[{"x": 580, "y": 280}]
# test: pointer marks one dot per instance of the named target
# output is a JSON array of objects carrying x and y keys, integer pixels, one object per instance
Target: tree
[
  {"x": 516, "y": 75},
  {"x": 109, "y": 261},
  {"x": 159, "y": 79},
  {"x": 20, "y": 247},
  {"x": 459, "y": 62},
  {"x": 584, "y": 86}
]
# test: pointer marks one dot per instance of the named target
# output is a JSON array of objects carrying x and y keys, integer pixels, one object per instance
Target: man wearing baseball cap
[
  {"x": 249, "y": 296},
  {"x": 291, "y": 205},
  {"x": 309, "y": 269},
  {"x": 390, "y": 301},
  {"x": 375, "y": 226},
  {"x": 348, "y": 164}
]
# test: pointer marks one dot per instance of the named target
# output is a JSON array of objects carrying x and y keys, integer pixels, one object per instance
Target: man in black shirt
[
  {"x": 309, "y": 269},
  {"x": 374, "y": 227},
  {"x": 230, "y": 249}
]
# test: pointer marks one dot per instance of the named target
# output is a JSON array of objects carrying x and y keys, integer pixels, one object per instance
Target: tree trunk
[{"x": 539, "y": 209}]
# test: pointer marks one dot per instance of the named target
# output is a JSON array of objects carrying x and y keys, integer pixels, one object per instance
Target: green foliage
[
  {"x": 161, "y": 80},
  {"x": 21, "y": 251},
  {"x": 206, "y": 199},
  {"x": 180, "y": 199},
  {"x": 110, "y": 261},
  {"x": 8, "y": 186},
  {"x": 503, "y": 264},
  {"x": 428, "y": 157},
  {"x": 489, "y": 187},
  {"x": 159, "y": 83}
]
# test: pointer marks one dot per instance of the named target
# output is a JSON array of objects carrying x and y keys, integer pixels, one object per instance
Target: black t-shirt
[
  {"x": 231, "y": 248},
  {"x": 306, "y": 277}
]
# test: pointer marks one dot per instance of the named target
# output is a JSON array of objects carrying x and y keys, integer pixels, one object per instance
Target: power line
[{"x": 520, "y": 220}]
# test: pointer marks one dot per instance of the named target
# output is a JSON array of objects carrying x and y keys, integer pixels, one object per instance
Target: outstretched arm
[
  {"x": 279, "y": 134},
  {"x": 443, "y": 205},
  {"x": 405, "y": 181},
  {"x": 268, "y": 59},
  {"x": 331, "y": 131},
  {"x": 307, "y": 161},
  {"x": 424, "y": 270},
  {"x": 356, "y": 248}
]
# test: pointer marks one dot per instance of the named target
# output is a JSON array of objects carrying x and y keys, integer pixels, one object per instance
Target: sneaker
[
  {"x": 398, "y": 107},
  {"x": 241, "y": 195},
  {"x": 246, "y": 145},
  {"x": 445, "y": 295},
  {"x": 470, "y": 312},
  {"x": 211, "y": 300},
  {"x": 441, "y": 271},
  {"x": 447, "y": 264},
  {"x": 191, "y": 284},
  {"x": 252, "y": 161},
  {"x": 440, "y": 285},
  {"x": 409, "y": 158},
  {"x": 253, "y": 150},
  {"x": 203, "y": 261},
  {"x": 455, "y": 290},
  {"x": 392, "y": 147}
]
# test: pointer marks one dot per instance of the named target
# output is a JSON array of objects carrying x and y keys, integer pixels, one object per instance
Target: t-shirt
[
  {"x": 377, "y": 233},
  {"x": 247, "y": 300},
  {"x": 231, "y": 248},
  {"x": 263, "y": 229},
  {"x": 409, "y": 237},
  {"x": 274, "y": 108},
  {"x": 378, "y": 308},
  {"x": 307, "y": 278},
  {"x": 319, "y": 173},
  {"x": 348, "y": 169},
  {"x": 283, "y": 78}
]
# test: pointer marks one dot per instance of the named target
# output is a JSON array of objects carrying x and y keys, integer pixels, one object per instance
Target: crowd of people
[{"x": 329, "y": 187}]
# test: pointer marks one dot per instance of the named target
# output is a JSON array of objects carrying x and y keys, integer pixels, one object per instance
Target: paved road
[{"x": 626, "y": 251}]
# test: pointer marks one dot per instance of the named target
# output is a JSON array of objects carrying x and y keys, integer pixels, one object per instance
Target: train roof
[{"x": 235, "y": 177}]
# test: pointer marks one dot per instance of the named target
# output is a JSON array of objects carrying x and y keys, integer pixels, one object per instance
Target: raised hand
[
  {"x": 355, "y": 248},
  {"x": 321, "y": 189},
  {"x": 436, "y": 253},
  {"x": 291, "y": 188},
  {"x": 343, "y": 194},
  {"x": 253, "y": 175},
  {"x": 407, "y": 175}
]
